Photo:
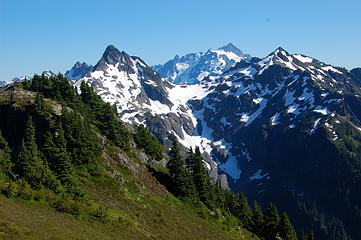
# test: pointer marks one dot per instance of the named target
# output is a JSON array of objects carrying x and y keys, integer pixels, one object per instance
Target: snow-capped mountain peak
[
  {"x": 194, "y": 67},
  {"x": 113, "y": 56},
  {"x": 129, "y": 83},
  {"x": 320, "y": 72},
  {"x": 78, "y": 71},
  {"x": 48, "y": 74},
  {"x": 231, "y": 48}
]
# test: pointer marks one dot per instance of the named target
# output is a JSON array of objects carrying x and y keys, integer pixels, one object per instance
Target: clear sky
[{"x": 37, "y": 35}]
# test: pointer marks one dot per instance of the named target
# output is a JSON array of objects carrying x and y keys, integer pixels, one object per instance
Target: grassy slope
[{"x": 136, "y": 212}]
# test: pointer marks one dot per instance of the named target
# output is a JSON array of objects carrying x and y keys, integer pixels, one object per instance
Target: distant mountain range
[
  {"x": 194, "y": 67},
  {"x": 284, "y": 128},
  {"x": 78, "y": 71}
]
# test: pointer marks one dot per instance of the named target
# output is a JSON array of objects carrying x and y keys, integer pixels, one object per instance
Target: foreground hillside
[
  {"x": 71, "y": 173},
  {"x": 135, "y": 212}
]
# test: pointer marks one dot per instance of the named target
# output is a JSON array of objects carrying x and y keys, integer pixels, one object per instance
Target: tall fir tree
[
  {"x": 189, "y": 161},
  {"x": 48, "y": 149},
  {"x": 5, "y": 161},
  {"x": 82, "y": 143},
  {"x": 256, "y": 219},
  {"x": 201, "y": 178},
  {"x": 244, "y": 213},
  {"x": 29, "y": 160},
  {"x": 64, "y": 169},
  {"x": 30, "y": 166},
  {"x": 219, "y": 195},
  {"x": 271, "y": 222},
  {"x": 40, "y": 107},
  {"x": 181, "y": 181},
  {"x": 56, "y": 153},
  {"x": 149, "y": 143},
  {"x": 286, "y": 230}
]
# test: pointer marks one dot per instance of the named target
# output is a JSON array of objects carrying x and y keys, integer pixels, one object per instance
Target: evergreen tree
[
  {"x": 201, "y": 178},
  {"x": 181, "y": 181},
  {"x": 82, "y": 143},
  {"x": 190, "y": 160},
  {"x": 149, "y": 143},
  {"x": 30, "y": 166},
  {"x": 48, "y": 149},
  {"x": 271, "y": 222},
  {"x": 64, "y": 169},
  {"x": 286, "y": 230},
  {"x": 244, "y": 213},
  {"x": 256, "y": 219},
  {"x": 29, "y": 157},
  {"x": 238, "y": 206},
  {"x": 219, "y": 196},
  {"x": 231, "y": 202},
  {"x": 39, "y": 106},
  {"x": 104, "y": 117},
  {"x": 56, "y": 153},
  {"x": 5, "y": 162}
]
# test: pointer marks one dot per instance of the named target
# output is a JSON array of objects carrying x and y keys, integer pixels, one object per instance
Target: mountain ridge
[
  {"x": 282, "y": 92},
  {"x": 194, "y": 67}
]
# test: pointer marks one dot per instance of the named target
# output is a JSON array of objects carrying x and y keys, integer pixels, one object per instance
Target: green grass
[{"x": 136, "y": 211}]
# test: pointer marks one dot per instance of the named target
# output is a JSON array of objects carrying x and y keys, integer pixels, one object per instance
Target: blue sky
[{"x": 37, "y": 35}]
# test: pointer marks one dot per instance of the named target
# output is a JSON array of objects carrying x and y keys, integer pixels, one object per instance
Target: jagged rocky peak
[
  {"x": 231, "y": 48},
  {"x": 78, "y": 71},
  {"x": 113, "y": 56},
  {"x": 81, "y": 65},
  {"x": 280, "y": 52},
  {"x": 291, "y": 61},
  {"x": 48, "y": 73},
  {"x": 129, "y": 83},
  {"x": 176, "y": 58}
]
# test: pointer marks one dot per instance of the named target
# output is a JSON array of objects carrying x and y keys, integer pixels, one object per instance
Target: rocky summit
[{"x": 78, "y": 71}]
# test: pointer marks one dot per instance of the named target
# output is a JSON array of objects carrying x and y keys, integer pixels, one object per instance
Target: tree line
[{"x": 190, "y": 181}]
